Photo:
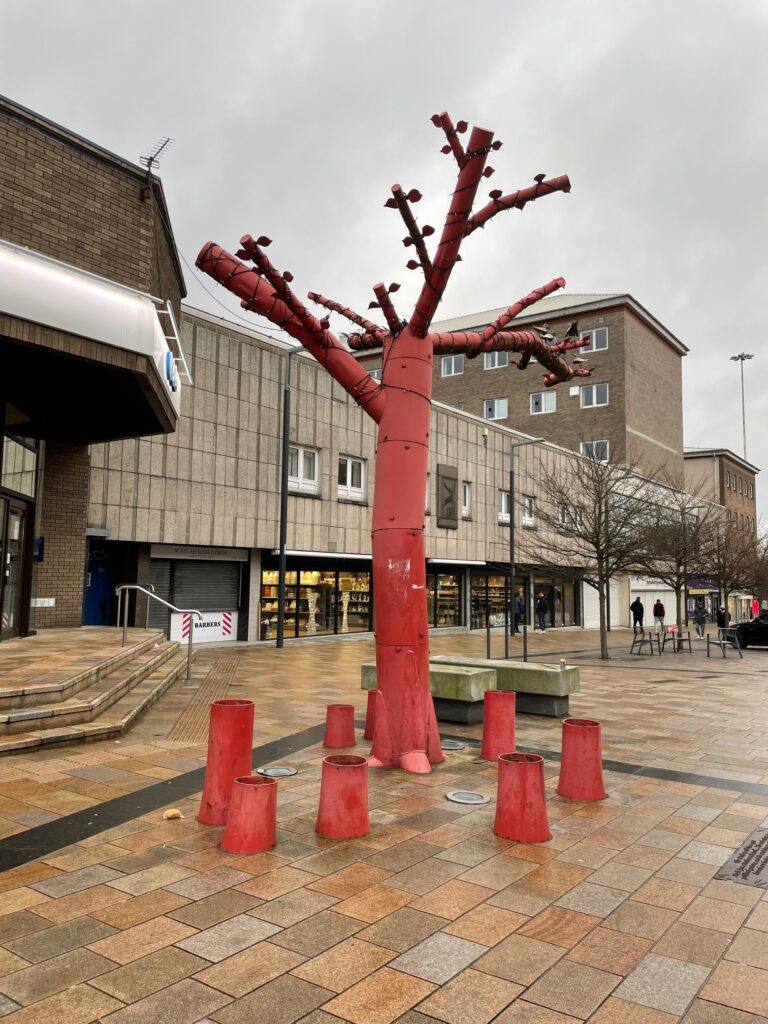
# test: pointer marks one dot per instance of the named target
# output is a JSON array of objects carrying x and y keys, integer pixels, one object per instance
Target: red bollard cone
[
  {"x": 498, "y": 723},
  {"x": 581, "y": 765},
  {"x": 230, "y": 741},
  {"x": 252, "y": 819},
  {"x": 339, "y": 726},
  {"x": 370, "y": 714},
  {"x": 343, "y": 810},
  {"x": 521, "y": 807}
]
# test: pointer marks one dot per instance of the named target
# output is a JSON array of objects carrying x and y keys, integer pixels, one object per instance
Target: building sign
[
  {"x": 194, "y": 552},
  {"x": 447, "y": 498},
  {"x": 212, "y": 627}
]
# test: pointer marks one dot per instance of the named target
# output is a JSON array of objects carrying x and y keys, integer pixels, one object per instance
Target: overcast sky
[{"x": 293, "y": 119}]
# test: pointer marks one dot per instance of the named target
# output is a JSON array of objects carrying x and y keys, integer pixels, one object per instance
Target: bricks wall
[{"x": 63, "y": 516}]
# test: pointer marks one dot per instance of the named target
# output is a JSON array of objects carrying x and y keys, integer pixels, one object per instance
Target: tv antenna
[{"x": 153, "y": 158}]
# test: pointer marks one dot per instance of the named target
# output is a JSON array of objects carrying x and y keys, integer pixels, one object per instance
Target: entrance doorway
[{"x": 13, "y": 532}]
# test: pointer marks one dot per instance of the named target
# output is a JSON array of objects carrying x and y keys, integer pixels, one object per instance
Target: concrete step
[
  {"x": 57, "y": 685},
  {"x": 91, "y": 701},
  {"x": 115, "y": 721}
]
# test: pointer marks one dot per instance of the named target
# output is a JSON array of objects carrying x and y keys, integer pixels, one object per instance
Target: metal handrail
[
  {"x": 150, "y": 593},
  {"x": 119, "y": 593}
]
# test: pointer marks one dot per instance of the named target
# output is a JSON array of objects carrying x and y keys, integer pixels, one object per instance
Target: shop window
[
  {"x": 598, "y": 339},
  {"x": 597, "y": 450},
  {"x": 529, "y": 514},
  {"x": 351, "y": 478},
  {"x": 451, "y": 366},
  {"x": 495, "y": 360},
  {"x": 19, "y": 464},
  {"x": 503, "y": 506},
  {"x": 466, "y": 499},
  {"x": 354, "y": 602},
  {"x": 593, "y": 395},
  {"x": 496, "y": 408},
  {"x": 303, "y": 470},
  {"x": 543, "y": 401}
]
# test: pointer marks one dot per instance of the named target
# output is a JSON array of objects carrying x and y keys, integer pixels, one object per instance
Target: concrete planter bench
[
  {"x": 457, "y": 690},
  {"x": 541, "y": 689}
]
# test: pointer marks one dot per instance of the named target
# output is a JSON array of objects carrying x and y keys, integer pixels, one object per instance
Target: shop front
[
  {"x": 18, "y": 483},
  {"x": 489, "y": 599}
]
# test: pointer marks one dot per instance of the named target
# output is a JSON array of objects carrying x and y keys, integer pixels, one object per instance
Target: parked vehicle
[{"x": 753, "y": 633}]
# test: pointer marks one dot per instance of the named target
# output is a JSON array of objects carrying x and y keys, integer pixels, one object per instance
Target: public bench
[
  {"x": 542, "y": 689},
  {"x": 457, "y": 690}
]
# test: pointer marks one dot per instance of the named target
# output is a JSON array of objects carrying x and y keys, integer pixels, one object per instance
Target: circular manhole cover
[
  {"x": 466, "y": 796},
  {"x": 278, "y": 772},
  {"x": 451, "y": 745}
]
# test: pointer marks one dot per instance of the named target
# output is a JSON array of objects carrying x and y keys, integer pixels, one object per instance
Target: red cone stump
[
  {"x": 339, "y": 726},
  {"x": 498, "y": 723},
  {"x": 251, "y": 822},
  {"x": 230, "y": 740},
  {"x": 521, "y": 807},
  {"x": 370, "y": 714},
  {"x": 343, "y": 810},
  {"x": 581, "y": 767}
]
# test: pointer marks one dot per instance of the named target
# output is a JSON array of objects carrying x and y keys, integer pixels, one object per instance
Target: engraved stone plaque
[{"x": 749, "y": 864}]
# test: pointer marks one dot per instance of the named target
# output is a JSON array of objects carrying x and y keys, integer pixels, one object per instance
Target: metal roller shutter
[
  {"x": 160, "y": 578},
  {"x": 206, "y": 586}
]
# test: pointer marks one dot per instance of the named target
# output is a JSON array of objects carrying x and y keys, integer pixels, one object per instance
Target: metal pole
[
  {"x": 506, "y": 619},
  {"x": 125, "y": 618},
  {"x": 283, "y": 500},
  {"x": 189, "y": 645},
  {"x": 512, "y": 536},
  {"x": 743, "y": 412}
]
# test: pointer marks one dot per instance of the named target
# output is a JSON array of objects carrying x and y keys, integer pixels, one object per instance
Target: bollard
[
  {"x": 581, "y": 766},
  {"x": 252, "y": 819},
  {"x": 521, "y": 807},
  {"x": 370, "y": 714},
  {"x": 498, "y": 723},
  {"x": 339, "y": 726},
  {"x": 230, "y": 741},
  {"x": 343, "y": 809}
]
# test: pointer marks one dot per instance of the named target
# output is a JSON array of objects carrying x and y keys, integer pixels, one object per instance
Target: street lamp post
[
  {"x": 741, "y": 358},
  {"x": 285, "y": 444},
  {"x": 512, "y": 615}
]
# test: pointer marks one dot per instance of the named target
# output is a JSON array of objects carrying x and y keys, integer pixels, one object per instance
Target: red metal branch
[
  {"x": 258, "y": 295},
  {"x": 529, "y": 343},
  {"x": 415, "y": 237},
  {"x": 387, "y": 308},
  {"x": 253, "y": 251},
  {"x": 517, "y": 200},
  {"x": 336, "y": 307},
  {"x": 538, "y": 293},
  {"x": 455, "y": 227},
  {"x": 454, "y": 146},
  {"x": 362, "y": 341}
]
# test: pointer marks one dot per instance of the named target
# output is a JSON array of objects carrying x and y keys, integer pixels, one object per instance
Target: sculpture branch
[
  {"x": 456, "y": 222},
  {"x": 363, "y": 341},
  {"x": 538, "y": 293},
  {"x": 350, "y": 314},
  {"x": 387, "y": 308},
  {"x": 528, "y": 343},
  {"x": 253, "y": 251},
  {"x": 517, "y": 200},
  {"x": 415, "y": 237},
  {"x": 258, "y": 295},
  {"x": 454, "y": 146}
]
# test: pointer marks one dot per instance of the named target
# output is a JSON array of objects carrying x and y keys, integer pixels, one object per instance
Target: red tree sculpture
[{"x": 406, "y": 733}]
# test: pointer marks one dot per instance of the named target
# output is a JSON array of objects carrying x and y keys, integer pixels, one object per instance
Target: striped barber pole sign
[
  {"x": 186, "y": 626},
  {"x": 226, "y": 624}
]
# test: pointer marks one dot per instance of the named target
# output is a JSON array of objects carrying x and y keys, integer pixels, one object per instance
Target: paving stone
[
  {"x": 380, "y": 998},
  {"x": 641, "y": 919},
  {"x": 702, "y": 1012},
  {"x": 696, "y": 945},
  {"x": 7, "y": 1005},
  {"x": 595, "y": 900},
  {"x": 79, "y": 1004},
  {"x": 403, "y": 856},
  {"x": 87, "y": 902},
  {"x": 523, "y": 1012},
  {"x": 132, "y": 862},
  {"x": 9, "y": 963},
  {"x": 572, "y": 988},
  {"x": 222, "y": 940},
  {"x": 52, "y": 976},
  {"x": 733, "y": 892},
  {"x": 42, "y": 945},
  {"x": 618, "y": 1011},
  {"x": 242, "y": 973},
  {"x": 212, "y": 910},
  {"x": 425, "y": 876},
  {"x": 486, "y": 924},
  {"x": 350, "y": 880},
  {"x": 197, "y": 887},
  {"x": 316, "y": 934},
  {"x": 722, "y": 917},
  {"x": 135, "y": 910},
  {"x": 470, "y": 998},
  {"x": 749, "y": 947},
  {"x": 276, "y": 883},
  {"x": 663, "y": 892},
  {"x": 281, "y": 1001},
  {"x": 402, "y": 929},
  {"x": 139, "y": 941},
  {"x": 452, "y": 899},
  {"x": 688, "y": 871},
  {"x": 611, "y": 951},
  {"x": 182, "y": 1003},
  {"x": 13, "y": 926},
  {"x": 519, "y": 959},
  {"x": 438, "y": 958},
  {"x": 149, "y": 974},
  {"x": 374, "y": 903},
  {"x": 344, "y": 964},
  {"x": 620, "y": 876},
  {"x": 523, "y": 899},
  {"x": 663, "y": 983},
  {"x": 706, "y": 853},
  {"x": 75, "y": 881},
  {"x": 559, "y": 926},
  {"x": 470, "y": 853},
  {"x": 157, "y": 877}
]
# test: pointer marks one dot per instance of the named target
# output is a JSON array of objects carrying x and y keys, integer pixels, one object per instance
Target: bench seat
[
  {"x": 457, "y": 690},
  {"x": 542, "y": 689}
]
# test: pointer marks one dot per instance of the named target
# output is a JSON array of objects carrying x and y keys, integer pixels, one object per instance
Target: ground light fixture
[{"x": 467, "y": 796}]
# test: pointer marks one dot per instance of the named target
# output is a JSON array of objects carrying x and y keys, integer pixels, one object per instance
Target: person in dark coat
[
  {"x": 723, "y": 617},
  {"x": 519, "y": 612},
  {"x": 659, "y": 614},
  {"x": 541, "y": 611},
  {"x": 700, "y": 620},
  {"x": 638, "y": 611}
]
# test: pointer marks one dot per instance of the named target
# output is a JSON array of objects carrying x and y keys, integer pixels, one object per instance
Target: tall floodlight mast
[{"x": 405, "y": 732}]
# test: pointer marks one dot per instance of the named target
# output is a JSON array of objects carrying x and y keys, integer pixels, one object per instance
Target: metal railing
[{"x": 123, "y": 606}]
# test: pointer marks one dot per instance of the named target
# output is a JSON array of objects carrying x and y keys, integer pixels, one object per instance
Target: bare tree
[
  {"x": 599, "y": 515},
  {"x": 729, "y": 555}
]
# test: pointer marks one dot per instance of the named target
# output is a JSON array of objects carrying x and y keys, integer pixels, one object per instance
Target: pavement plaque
[{"x": 749, "y": 863}]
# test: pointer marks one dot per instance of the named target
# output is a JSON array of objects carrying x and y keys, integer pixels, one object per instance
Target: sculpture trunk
[{"x": 405, "y": 732}]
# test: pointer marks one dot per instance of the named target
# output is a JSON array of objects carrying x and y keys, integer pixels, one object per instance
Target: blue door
[{"x": 98, "y": 593}]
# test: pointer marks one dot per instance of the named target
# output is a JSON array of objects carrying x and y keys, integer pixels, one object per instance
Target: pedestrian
[
  {"x": 700, "y": 620},
  {"x": 519, "y": 612},
  {"x": 723, "y": 617},
  {"x": 541, "y": 611},
  {"x": 658, "y": 616},
  {"x": 637, "y": 616}
]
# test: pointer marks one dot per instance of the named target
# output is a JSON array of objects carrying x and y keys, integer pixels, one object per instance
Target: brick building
[
  {"x": 719, "y": 475},
  {"x": 630, "y": 409},
  {"x": 89, "y": 282}
]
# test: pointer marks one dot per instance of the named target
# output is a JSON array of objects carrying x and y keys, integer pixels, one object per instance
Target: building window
[
  {"x": 466, "y": 499},
  {"x": 303, "y": 470},
  {"x": 451, "y": 366},
  {"x": 376, "y": 373},
  {"x": 598, "y": 339},
  {"x": 426, "y": 497},
  {"x": 594, "y": 394},
  {"x": 543, "y": 401},
  {"x": 459, "y": 406},
  {"x": 503, "y": 506},
  {"x": 529, "y": 515},
  {"x": 751, "y": 491},
  {"x": 496, "y": 408},
  {"x": 495, "y": 360},
  {"x": 351, "y": 478},
  {"x": 562, "y": 517},
  {"x": 597, "y": 450}
]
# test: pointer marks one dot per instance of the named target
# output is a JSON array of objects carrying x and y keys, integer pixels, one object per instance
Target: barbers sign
[{"x": 212, "y": 627}]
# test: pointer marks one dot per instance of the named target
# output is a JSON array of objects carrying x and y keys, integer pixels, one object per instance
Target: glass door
[{"x": 12, "y": 548}]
